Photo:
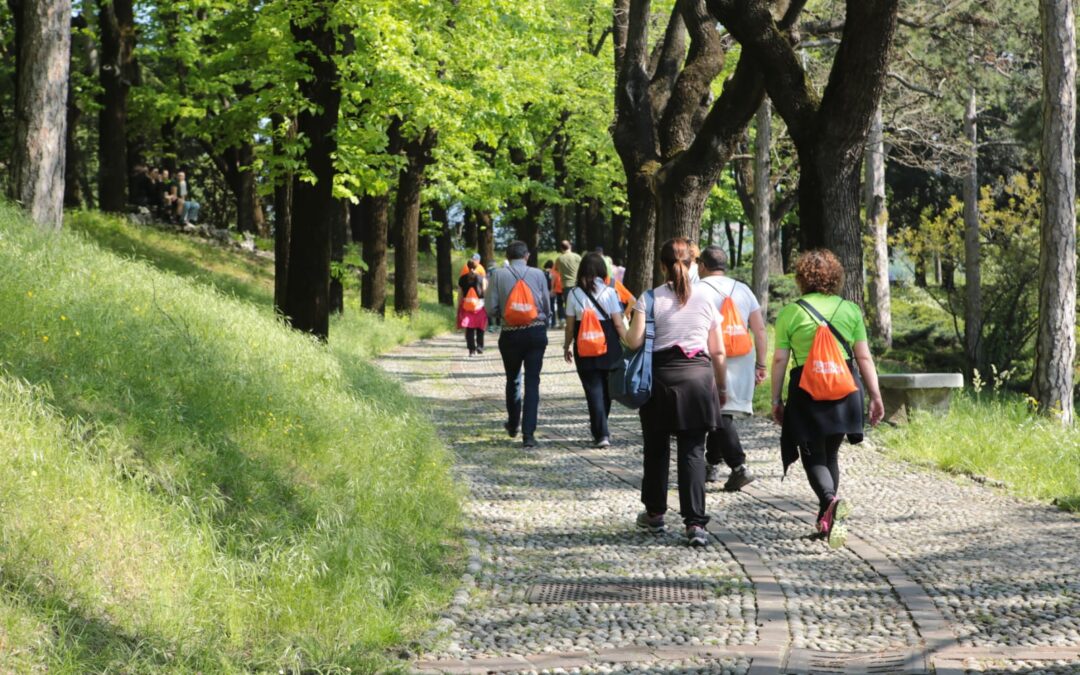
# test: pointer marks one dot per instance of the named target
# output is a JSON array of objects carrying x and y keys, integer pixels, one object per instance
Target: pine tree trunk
[
  {"x": 877, "y": 221},
  {"x": 762, "y": 206},
  {"x": 1055, "y": 348},
  {"x": 37, "y": 169},
  {"x": 307, "y": 296},
  {"x": 116, "y": 22},
  {"x": 443, "y": 250},
  {"x": 973, "y": 315},
  {"x": 376, "y": 230},
  {"x": 339, "y": 234}
]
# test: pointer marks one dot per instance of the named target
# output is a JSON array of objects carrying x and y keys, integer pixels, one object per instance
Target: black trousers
[
  {"x": 820, "y": 458},
  {"x": 474, "y": 339},
  {"x": 691, "y": 473},
  {"x": 595, "y": 384},
  {"x": 723, "y": 445}
]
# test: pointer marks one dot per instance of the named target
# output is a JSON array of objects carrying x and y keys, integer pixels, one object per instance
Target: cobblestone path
[{"x": 940, "y": 574}]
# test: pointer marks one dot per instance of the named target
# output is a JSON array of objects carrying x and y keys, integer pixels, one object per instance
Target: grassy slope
[{"x": 189, "y": 485}]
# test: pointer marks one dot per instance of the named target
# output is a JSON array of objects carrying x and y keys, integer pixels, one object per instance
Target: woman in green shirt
[{"x": 813, "y": 430}]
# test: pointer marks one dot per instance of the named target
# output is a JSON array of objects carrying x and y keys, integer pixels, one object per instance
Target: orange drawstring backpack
[
  {"x": 472, "y": 301},
  {"x": 591, "y": 340},
  {"x": 736, "y": 337},
  {"x": 556, "y": 283},
  {"x": 520, "y": 304},
  {"x": 826, "y": 375}
]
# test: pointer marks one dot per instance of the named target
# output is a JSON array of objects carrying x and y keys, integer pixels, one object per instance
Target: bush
[{"x": 189, "y": 485}]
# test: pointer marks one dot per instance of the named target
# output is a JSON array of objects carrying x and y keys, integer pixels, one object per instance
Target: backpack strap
[
  {"x": 607, "y": 317},
  {"x": 650, "y": 319},
  {"x": 814, "y": 314}
]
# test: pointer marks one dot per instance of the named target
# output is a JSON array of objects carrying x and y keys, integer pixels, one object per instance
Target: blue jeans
[{"x": 526, "y": 348}]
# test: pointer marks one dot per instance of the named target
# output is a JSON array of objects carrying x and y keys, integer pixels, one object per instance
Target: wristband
[{"x": 778, "y": 401}]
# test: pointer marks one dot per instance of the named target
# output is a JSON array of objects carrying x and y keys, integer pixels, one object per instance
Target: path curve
[{"x": 940, "y": 573}]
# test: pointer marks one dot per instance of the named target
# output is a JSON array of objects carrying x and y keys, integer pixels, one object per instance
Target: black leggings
[
  {"x": 691, "y": 473},
  {"x": 820, "y": 458},
  {"x": 474, "y": 338}
]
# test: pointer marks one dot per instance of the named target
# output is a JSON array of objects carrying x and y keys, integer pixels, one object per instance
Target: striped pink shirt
[{"x": 684, "y": 326}]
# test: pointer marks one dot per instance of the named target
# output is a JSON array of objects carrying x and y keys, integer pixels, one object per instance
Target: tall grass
[
  {"x": 994, "y": 435},
  {"x": 189, "y": 485}
]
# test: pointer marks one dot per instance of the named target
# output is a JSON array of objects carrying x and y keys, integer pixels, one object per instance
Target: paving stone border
[{"x": 922, "y": 593}]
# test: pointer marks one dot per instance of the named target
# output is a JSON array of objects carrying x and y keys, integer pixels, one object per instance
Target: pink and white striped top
[{"x": 684, "y": 326}]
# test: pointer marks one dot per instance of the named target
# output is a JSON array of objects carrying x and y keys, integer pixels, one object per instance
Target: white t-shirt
[
  {"x": 740, "y": 369},
  {"x": 684, "y": 326},
  {"x": 605, "y": 296}
]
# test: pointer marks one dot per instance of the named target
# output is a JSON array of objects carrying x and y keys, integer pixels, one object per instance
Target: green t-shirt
[
  {"x": 795, "y": 328},
  {"x": 568, "y": 264}
]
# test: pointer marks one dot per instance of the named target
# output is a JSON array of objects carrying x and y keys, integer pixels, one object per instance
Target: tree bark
[
  {"x": 37, "y": 169},
  {"x": 376, "y": 231},
  {"x": 562, "y": 173},
  {"x": 116, "y": 23},
  {"x": 443, "y": 251},
  {"x": 339, "y": 235},
  {"x": 762, "y": 208},
  {"x": 1055, "y": 347},
  {"x": 618, "y": 237},
  {"x": 877, "y": 222},
  {"x": 642, "y": 250},
  {"x": 283, "y": 196},
  {"x": 485, "y": 233},
  {"x": 468, "y": 231},
  {"x": 973, "y": 314},
  {"x": 407, "y": 221},
  {"x": 307, "y": 296}
]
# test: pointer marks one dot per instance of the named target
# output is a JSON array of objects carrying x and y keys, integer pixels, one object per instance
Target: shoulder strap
[
  {"x": 650, "y": 319},
  {"x": 607, "y": 317},
  {"x": 817, "y": 315}
]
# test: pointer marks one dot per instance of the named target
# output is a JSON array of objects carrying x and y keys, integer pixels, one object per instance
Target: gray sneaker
[
  {"x": 740, "y": 477},
  {"x": 697, "y": 536},
  {"x": 712, "y": 473},
  {"x": 652, "y": 523}
]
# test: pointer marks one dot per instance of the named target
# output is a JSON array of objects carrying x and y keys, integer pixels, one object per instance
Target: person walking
[
  {"x": 594, "y": 329},
  {"x": 689, "y": 389},
  {"x": 566, "y": 265},
  {"x": 518, "y": 293},
  {"x": 745, "y": 365},
  {"x": 549, "y": 272},
  {"x": 471, "y": 315},
  {"x": 812, "y": 428}
]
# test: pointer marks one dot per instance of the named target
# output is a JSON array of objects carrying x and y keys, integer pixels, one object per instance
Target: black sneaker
[
  {"x": 712, "y": 473},
  {"x": 739, "y": 478},
  {"x": 528, "y": 442},
  {"x": 697, "y": 536},
  {"x": 510, "y": 431}
]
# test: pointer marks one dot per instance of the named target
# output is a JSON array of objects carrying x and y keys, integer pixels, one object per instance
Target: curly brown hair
[{"x": 818, "y": 271}]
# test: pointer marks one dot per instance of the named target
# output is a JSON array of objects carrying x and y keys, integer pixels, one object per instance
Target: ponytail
[{"x": 676, "y": 256}]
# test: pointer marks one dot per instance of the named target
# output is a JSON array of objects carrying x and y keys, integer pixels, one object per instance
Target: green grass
[
  {"x": 995, "y": 436},
  {"x": 190, "y": 486}
]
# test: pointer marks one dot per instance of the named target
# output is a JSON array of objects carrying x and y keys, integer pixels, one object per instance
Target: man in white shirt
[{"x": 743, "y": 372}]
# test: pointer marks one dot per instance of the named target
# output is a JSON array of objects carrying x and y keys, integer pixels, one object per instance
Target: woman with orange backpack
[
  {"x": 825, "y": 393},
  {"x": 471, "y": 315},
  {"x": 594, "y": 329}
]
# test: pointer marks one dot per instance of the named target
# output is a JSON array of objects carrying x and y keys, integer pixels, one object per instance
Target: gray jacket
[{"x": 502, "y": 280}]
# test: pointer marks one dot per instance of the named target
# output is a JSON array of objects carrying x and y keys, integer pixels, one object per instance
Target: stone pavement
[{"x": 940, "y": 574}]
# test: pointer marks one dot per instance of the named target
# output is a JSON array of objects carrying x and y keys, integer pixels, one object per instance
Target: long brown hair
[{"x": 676, "y": 258}]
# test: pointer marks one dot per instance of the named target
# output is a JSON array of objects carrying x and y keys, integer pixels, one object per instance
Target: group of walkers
[
  {"x": 705, "y": 333},
  {"x": 170, "y": 199}
]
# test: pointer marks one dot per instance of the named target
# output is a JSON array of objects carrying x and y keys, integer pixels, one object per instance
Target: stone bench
[{"x": 917, "y": 391}]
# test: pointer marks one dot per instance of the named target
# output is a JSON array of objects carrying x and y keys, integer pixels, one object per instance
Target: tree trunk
[
  {"x": 730, "y": 241},
  {"x": 307, "y": 296},
  {"x": 468, "y": 231},
  {"x": 642, "y": 249},
  {"x": 485, "y": 233},
  {"x": 680, "y": 207},
  {"x": 973, "y": 315},
  {"x": 73, "y": 197},
  {"x": 43, "y": 38},
  {"x": 282, "y": 215},
  {"x": 424, "y": 243},
  {"x": 829, "y": 215},
  {"x": 594, "y": 228},
  {"x": 581, "y": 226},
  {"x": 948, "y": 274},
  {"x": 762, "y": 207},
  {"x": 443, "y": 251},
  {"x": 877, "y": 221},
  {"x": 1055, "y": 347},
  {"x": 528, "y": 228},
  {"x": 356, "y": 222},
  {"x": 116, "y": 22},
  {"x": 407, "y": 225},
  {"x": 376, "y": 231},
  {"x": 339, "y": 235},
  {"x": 618, "y": 237},
  {"x": 559, "y": 212}
]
